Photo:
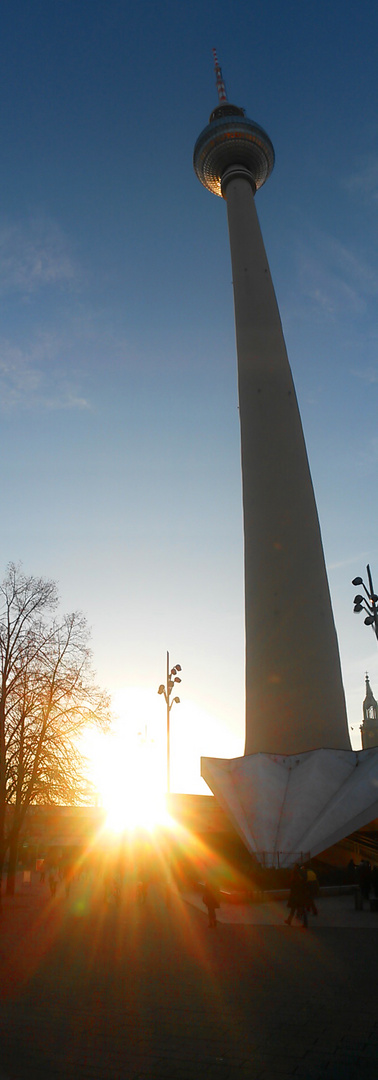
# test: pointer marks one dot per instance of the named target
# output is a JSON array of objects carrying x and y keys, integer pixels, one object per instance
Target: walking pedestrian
[
  {"x": 211, "y": 899},
  {"x": 374, "y": 881},
  {"x": 313, "y": 891},
  {"x": 298, "y": 897},
  {"x": 364, "y": 878},
  {"x": 52, "y": 883}
]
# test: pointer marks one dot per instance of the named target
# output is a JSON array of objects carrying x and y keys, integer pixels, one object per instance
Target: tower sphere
[{"x": 230, "y": 139}]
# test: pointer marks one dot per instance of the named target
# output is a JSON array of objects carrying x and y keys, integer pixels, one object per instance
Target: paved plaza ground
[{"x": 94, "y": 990}]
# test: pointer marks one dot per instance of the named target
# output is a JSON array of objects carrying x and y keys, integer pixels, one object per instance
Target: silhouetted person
[
  {"x": 52, "y": 883},
  {"x": 364, "y": 878},
  {"x": 68, "y": 874},
  {"x": 211, "y": 899},
  {"x": 299, "y": 895},
  {"x": 313, "y": 891},
  {"x": 374, "y": 880},
  {"x": 142, "y": 891},
  {"x": 351, "y": 872}
]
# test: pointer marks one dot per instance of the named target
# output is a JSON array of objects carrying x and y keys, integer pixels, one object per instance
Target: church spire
[{"x": 369, "y": 726}]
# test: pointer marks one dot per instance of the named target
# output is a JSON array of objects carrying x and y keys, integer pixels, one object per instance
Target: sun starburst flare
[{"x": 127, "y": 769}]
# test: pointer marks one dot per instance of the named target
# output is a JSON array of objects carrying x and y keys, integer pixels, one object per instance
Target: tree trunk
[{"x": 12, "y": 865}]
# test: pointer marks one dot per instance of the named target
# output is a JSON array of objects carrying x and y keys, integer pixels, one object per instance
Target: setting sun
[
  {"x": 128, "y": 767},
  {"x": 132, "y": 796}
]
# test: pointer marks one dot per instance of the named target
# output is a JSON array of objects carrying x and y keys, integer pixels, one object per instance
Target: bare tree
[{"x": 48, "y": 696}]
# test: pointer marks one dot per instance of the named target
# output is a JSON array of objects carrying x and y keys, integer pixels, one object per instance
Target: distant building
[
  {"x": 369, "y": 726},
  {"x": 204, "y": 835}
]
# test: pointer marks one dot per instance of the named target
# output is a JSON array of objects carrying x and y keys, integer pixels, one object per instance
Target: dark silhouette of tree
[{"x": 48, "y": 696}]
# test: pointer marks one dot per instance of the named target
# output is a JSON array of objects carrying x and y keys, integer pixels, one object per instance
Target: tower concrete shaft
[{"x": 294, "y": 693}]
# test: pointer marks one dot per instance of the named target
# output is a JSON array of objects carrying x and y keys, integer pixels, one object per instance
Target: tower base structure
[{"x": 289, "y": 808}]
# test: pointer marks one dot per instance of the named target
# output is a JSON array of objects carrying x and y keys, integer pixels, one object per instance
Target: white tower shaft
[{"x": 294, "y": 692}]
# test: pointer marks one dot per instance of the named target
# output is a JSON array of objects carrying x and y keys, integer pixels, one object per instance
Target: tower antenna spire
[{"x": 219, "y": 79}]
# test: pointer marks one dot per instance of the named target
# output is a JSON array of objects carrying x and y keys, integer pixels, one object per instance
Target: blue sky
[{"x": 119, "y": 432}]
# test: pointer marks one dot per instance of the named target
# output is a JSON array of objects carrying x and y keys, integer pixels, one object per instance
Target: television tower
[{"x": 294, "y": 693}]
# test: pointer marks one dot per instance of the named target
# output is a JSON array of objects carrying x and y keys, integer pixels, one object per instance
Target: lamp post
[
  {"x": 367, "y": 603},
  {"x": 172, "y": 678}
]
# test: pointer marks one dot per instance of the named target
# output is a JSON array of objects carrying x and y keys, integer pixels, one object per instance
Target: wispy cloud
[
  {"x": 38, "y": 377},
  {"x": 367, "y": 371},
  {"x": 34, "y": 254},
  {"x": 353, "y": 560},
  {"x": 333, "y": 276},
  {"x": 366, "y": 461},
  {"x": 368, "y": 375},
  {"x": 365, "y": 180}
]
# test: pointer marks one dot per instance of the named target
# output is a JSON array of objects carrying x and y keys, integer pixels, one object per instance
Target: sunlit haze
[
  {"x": 129, "y": 766},
  {"x": 130, "y": 784}
]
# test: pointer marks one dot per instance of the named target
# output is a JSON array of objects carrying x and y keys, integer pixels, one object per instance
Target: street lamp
[
  {"x": 367, "y": 603},
  {"x": 172, "y": 678}
]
